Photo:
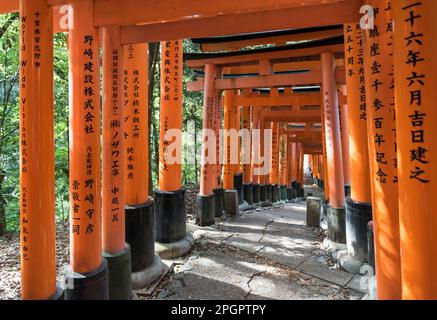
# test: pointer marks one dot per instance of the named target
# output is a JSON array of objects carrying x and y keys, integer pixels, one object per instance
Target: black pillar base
[
  {"x": 347, "y": 191},
  {"x": 205, "y": 210},
  {"x": 275, "y": 193},
  {"x": 289, "y": 194},
  {"x": 140, "y": 234},
  {"x": 371, "y": 245},
  {"x": 283, "y": 190},
  {"x": 295, "y": 189},
  {"x": 219, "y": 200},
  {"x": 119, "y": 274},
  {"x": 262, "y": 193},
  {"x": 248, "y": 193},
  {"x": 358, "y": 215},
  {"x": 170, "y": 216},
  {"x": 238, "y": 185},
  {"x": 322, "y": 184},
  {"x": 337, "y": 224},
  {"x": 88, "y": 286},
  {"x": 256, "y": 193},
  {"x": 269, "y": 193}
]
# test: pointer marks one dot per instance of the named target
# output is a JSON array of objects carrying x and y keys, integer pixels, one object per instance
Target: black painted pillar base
[
  {"x": 322, "y": 184},
  {"x": 358, "y": 215},
  {"x": 275, "y": 193},
  {"x": 140, "y": 234},
  {"x": 269, "y": 193},
  {"x": 170, "y": 216},
  {"x": 205, "y": 210},
  {"x": 337, "y": 224},
  {"x": 248, "y": 193},
  {"x": 283, "y": 190},
  {"x": 289, "y": 194},
  {"x": 295, "y": 189},
  {"x": 219, "y": 200},
  {"x": 88, "y": 286},
  {"x": 347, "y": 190},
  {"x": 262, "y": 193},
  {"x": 256, "y": 193},
  {"x": 119, "y": 274},
  {"x": 371, "y": 245},
  {"x": 238, "y": 185}
]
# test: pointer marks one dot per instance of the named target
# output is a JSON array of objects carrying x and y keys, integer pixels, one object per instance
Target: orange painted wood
[
  {"x": 324, "y": 160},
  {"x": 298, "y": 161},
  {"x": 254, "y": 58},
  {"x": 283, "y": 160},
  {"x": 246, "y": 148},
  {"x": 7, "y": 6},
  {"x": 383, "y": 154},
  {"x": 357, "y": 115},
  {"x": 313, "y": 77},
  {"x": 279, "y": 67},
  {"x": 255, "y": 148},
  {"x": 130, "y": 12},
  {"x": 229, "y": 124},
  {"x": 343, "y": 110},
  {"x": 37, "y": 167},
  {"x": 170, "y": 171},
  {"x": 293, "y": 162},
  {"x": 114, "y": 150},
  {"x": 272, "y": 40},
  {"x": 207, "y": 169},
  {"x": 298, "y": 99},
  {"x": 239, "y": 23},
  {"x": 417, "y": 173},
  {"x": 289, "y": 164},
  {"x": 264, "y": 145},
  {"x": 136, "y": 119},
  {"x": 85, "y": 161},
  {"x": 237, "y": 126},
  {"x": 274, "y": 178},
  {"x": 332, "y": 132},
  {"x": 217, "y": 122}
]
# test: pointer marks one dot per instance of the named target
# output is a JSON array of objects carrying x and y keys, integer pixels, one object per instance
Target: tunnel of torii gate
[{"x": 355, "y": 101}]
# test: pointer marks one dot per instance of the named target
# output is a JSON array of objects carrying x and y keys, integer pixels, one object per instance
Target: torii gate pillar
[
  {"x": 114, "y": 248},
  {"x": 37, "y": 168},
  {"x": 170, "y": 213},
  {"x": 336, "y": 209},
  {"x": 205, "y": 199},
  {"x": 358, "y": 204},
  {"x": 88, "y": 274},
  {"x": 416, "y": 116}
]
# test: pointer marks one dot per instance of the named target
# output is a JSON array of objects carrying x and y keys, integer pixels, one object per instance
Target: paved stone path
[{"x": 261, "y": 254}]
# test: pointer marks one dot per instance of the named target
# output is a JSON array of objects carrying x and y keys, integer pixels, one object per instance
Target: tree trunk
[
  {"x": 153, "y": 59},
  {"x": 195, "y": 153},
  {"x": 2, "y": 206},
  {"x": 8, "y": 23}
]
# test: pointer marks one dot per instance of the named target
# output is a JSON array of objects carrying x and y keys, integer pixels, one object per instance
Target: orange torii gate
[
  {"x": 121, "y": 156},
  {"x": 408, "y": 224}
]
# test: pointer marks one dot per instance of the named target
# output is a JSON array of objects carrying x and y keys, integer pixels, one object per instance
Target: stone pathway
[{"x": 261, "y": 254}]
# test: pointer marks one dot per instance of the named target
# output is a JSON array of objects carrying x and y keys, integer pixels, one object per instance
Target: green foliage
[{"x": 9, "y": 116}]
